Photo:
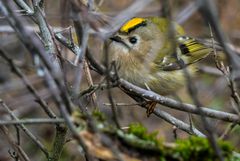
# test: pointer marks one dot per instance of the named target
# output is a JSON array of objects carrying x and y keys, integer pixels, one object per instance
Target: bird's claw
[{"x": 150, "y": 107}]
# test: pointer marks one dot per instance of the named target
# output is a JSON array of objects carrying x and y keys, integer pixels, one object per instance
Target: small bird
[{"x": 148, "y": 55}]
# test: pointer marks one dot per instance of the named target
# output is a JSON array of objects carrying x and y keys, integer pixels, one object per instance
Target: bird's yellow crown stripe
[{"x": 133, "y": 24}]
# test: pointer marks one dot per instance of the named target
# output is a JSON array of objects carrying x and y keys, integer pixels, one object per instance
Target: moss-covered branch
[
  {"x": 138, "y": 140},
  {"x": 58, "y": 143}
]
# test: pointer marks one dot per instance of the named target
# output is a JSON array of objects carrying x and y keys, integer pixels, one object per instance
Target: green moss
[
  {"x": 138, "y": 143},
  {"x": 199, "y": 149},
  {"x": 192, "y": 149},
  {"x": 98, "y": 115},
  {"x": 141, "y": 132}
]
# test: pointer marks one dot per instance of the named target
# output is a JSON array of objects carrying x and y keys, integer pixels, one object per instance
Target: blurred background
[{"x": 212, "y": 88}]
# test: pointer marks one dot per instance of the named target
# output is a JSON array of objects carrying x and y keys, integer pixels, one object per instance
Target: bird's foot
[{"x": 150, "y": 107}]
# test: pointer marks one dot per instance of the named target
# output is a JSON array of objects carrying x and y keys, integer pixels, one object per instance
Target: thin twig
[
  {"x": 82, "y": 34},
  {"x": 45, "y": 32},
  {"x": 75, "y": 133},
  {"x": 229, "y": 128},
  {"x": 186, "y": 13},
  {"x": 178, "y": 123},
  {"x": 121, "y": 104},
  {"x": 24, "y": 6},
  {"x": 209, "y": 13},
  {"x": 109, "y": 93},
  {"x": 220, "y": 66},
  {"x": 20, "y": 152},
  {"x": 27, "y": 132},
  {"x": 19, "y": 73},
  {"x": 32, "y": 121},
  {"x": 90, "y": 82},
  {"x": 227, "y": 74},
  {"x": 34, "y": 45}
]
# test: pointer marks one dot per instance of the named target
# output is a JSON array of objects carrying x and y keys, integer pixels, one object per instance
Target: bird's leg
[{"x": 150, "y": 105}]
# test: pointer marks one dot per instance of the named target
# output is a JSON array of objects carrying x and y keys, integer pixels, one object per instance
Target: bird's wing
[{"x": 188, "y": 51}]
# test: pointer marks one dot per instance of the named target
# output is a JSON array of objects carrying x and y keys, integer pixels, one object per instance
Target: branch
[
  {"x": 34, "y": 45},
  {"x": 20, "y": 152},
  {"x": 58, "y": 143},
  {"x": 19, "y": 73},
  {"x": 32, "y": 121},
  {"x": 24, "y": 6},
  {"x": 209, "y": 12},
  {"x": 25, "y": 130},
  {"x": 177, "y": 105},
  {"x": 178, "y": 123}
]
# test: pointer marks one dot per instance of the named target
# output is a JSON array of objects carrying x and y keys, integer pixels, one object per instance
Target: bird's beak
[{"x": 117, "y": 39}]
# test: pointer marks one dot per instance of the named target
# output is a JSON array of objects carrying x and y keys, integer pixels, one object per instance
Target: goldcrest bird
[{"x": 147, "y": 56}]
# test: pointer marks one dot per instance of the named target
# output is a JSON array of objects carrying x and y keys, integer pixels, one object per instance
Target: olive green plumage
[{"x": 144, "y": 54}]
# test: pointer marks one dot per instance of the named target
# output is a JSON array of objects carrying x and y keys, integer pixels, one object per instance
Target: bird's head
[{"x": 136, "y": 41}]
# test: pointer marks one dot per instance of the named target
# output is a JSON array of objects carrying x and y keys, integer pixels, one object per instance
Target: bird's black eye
[{"x": 133, "y": 40}]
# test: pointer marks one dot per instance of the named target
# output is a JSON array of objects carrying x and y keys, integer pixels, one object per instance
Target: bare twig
[
  {"x": 177, "y": 105},
  {"x": 229, "y": 128},
  {"x": 227, "y": 74},
  {"x": 220, "y": 66},
  {"x": 8, "y": 29},
  {"x": 210, "y": 134},
  {"x": 34, "y": 45},
  {"x": 168, "y": 118},
  {"x": 45, "y": 31},
  {"x": 82, "y": 34},
  {"x": 75, "y": 134},
  {"x": 90, "y": 82},
  {"x": 108, "y": 78},
  {"x": 121, "y": 104},
  {"x": 24, "y": 6},
  {"x": 29, "y": 38},
  {"x": 32, "y": 121},
  {"x": 27, "y": 132},
  {"x": 16, "y": 84},
  {"x": 20, "y": 152},
  {"x": 18, "y": 72},
  {"x": 210, "y": 70},
  {"x": 177, "y": 123},
  {"x": 209, "y": 12},
  {"x": 186, "y": 13}
]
